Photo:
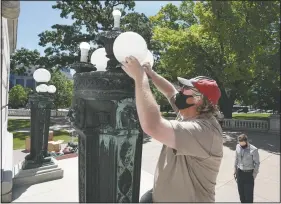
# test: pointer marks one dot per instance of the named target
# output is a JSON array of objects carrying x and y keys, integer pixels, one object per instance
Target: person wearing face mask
[
  {"x": 246, "y": 168},
  {"x": 192, "y": 151}
]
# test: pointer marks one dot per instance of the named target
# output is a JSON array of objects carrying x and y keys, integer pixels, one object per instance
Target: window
[
  {"x": 30, "y": 83},
  {"x": 20, "y": 82}
]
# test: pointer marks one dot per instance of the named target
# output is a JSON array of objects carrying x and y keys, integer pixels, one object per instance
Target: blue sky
[{"x": 36, "y": 17}]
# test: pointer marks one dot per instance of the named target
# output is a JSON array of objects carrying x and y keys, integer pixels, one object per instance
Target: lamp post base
[
  {"x": 46, "y": 172},
  {"x": 31, "y": 164}
]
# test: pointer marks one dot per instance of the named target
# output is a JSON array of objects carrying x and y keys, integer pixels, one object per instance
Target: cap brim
[{"x": 185, "y": 82}]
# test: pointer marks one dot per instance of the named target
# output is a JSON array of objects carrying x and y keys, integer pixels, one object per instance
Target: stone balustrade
[
  {"x": 26, "y": 112},
  {"x": 257, "y": 125},
  {"x": 273, "y": 125}
]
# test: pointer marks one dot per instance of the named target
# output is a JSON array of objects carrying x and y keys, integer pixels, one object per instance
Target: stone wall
[
  {"x": 10, "y": 13},
  {"x": 7, "y": 138},
  {"x": 26, "y": 113}
]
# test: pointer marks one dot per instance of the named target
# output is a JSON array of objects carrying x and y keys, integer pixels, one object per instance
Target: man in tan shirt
[{"x": 192, "y": 145}]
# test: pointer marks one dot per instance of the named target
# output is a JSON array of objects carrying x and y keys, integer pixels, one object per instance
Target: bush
[
  {"x": 18, "y": 97},
  {"x": 168, "y": 115},
  {"x": 63, "y": 95}
]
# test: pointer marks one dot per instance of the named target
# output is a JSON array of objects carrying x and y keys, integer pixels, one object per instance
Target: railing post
[{"x": 274, "y": 123}]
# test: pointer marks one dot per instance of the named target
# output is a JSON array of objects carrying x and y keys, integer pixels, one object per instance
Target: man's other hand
[
  {"x": 148, "y": 69},
  {"x": 133, "y": 68}
]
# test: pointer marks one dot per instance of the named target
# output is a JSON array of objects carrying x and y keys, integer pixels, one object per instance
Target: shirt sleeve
[
  {"x": 256, "y": 159},
  {"x": 236, "y": 159},
  {"x": 191, "y": 139}
]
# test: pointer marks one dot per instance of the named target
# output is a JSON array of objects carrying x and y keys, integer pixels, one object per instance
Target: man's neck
[{"x": 189, "y": 116}]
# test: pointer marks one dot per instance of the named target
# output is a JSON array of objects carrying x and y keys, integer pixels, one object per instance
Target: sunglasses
[{"x": 195, "y": 91}]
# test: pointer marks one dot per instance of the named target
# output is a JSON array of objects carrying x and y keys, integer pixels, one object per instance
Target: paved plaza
[{"x": 267, "y": 183}]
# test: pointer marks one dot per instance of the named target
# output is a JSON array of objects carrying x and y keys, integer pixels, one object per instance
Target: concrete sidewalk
[{"x": 267, "y": 183}]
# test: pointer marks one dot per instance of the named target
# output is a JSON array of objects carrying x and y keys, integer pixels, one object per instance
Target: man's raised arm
[{"x": 162, "y": 84}]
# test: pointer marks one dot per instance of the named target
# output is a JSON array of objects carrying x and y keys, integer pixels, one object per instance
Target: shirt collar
[{"x": 248, "y": 146}]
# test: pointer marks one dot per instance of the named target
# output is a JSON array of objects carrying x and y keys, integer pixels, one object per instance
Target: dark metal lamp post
[
  {"x": 41, "y": 104},
  {"x": 110, "y": 138}
]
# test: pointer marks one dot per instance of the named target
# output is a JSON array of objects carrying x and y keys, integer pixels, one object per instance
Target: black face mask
[
  {"x": 181, "y": 101},
  {"x": 244, "y": 146}
]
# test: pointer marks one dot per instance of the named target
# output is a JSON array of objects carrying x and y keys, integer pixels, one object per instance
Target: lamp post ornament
[
  {"x": 40, "y": 104},
  {"x": 104, "y": 116}
]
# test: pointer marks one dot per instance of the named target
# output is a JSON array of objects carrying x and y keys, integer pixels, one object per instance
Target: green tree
[
  {"x": 90, "y": 18},
  {"x": 18, "y": 97},
  {"x": 232, "y": 42},
  {"x": 24, "y": 58},
  {"x": 64, "y": 86}
]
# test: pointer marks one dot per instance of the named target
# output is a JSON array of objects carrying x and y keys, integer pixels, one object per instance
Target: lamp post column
[
  {"x": 110, "y": 137},
  {"x": 40, "y": 105}
]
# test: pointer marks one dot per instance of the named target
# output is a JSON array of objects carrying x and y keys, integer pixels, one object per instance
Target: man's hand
[
  {"x": 133, "y": 68},
  {"x": 235, "y": 174},
  {"x": 148, "y": 69}
]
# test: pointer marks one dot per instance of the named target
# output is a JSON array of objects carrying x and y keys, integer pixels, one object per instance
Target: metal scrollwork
[
  {"x": 103, "y": 81},
  {"x": 126, "y": 114},
  {"x": 78, "y": 113},
  {"x": 125, "y": 171},
  {"x": 81, "y": 67}
]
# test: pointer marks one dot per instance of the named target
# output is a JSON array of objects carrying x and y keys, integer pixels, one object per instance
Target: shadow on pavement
[
  {"x": 146, "y": 138},
  {"x": 18, "y": 191},
  {"x": 262, "y": 140}
]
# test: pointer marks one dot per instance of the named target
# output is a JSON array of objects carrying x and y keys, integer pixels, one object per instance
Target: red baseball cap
[{"x": 205, "y": 85}]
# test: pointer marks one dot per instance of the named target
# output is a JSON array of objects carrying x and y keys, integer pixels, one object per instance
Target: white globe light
[
  {"x": 85, "y": 46},
  {"x": 42, "y": 88},
  {"x": 37, "y": 89},
  {"x": 149, "y": 58},
  {"x": 116, "y": 13},
  {"x": 130, "y": 44},
  {"x": 42, "y": 75},
  {"x": 99, "y": 59},
  {"x": 52, "y": 89}
]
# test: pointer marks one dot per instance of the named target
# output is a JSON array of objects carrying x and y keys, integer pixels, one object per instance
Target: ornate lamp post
[
  {"x": 110, "y": 137},
  {"x": 40, "y": 105},
  {"x": 37, "y": 166}
]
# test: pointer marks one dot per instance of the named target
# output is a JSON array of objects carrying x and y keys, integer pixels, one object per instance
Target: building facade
[
  {"x": 26, "y": 79},
  {"x": 10, "y": 13}
]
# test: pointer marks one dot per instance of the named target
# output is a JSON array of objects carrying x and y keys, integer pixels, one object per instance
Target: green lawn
[
  {"x": 19, "y": 137},
  {"x": 241, "y": 116},
  {"x": 17, "y": 124},
  {"x": 251, "y": 116}
]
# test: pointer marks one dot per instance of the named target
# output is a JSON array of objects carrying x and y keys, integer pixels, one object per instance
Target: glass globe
[
  {"x": 85, "y": 46},
  {"x": 52, "y": 89},
  {"x": 42, "y": 75}
]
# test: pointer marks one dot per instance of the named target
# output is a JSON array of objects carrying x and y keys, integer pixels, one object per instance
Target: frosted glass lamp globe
[
  {"x": 42, "y": 75},
  {"x": 84, "y": 47},
  {"x": 42, "y": 88},
  {"x": 52, "y": 89},
  {"x": 116, "y": 15}
]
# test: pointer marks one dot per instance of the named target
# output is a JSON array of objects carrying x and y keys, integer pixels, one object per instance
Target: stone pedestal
[
  {"x": 37, "y": 175},
  {"x": 110, "y": 137},
  {"x": 274, "y": 123}
]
